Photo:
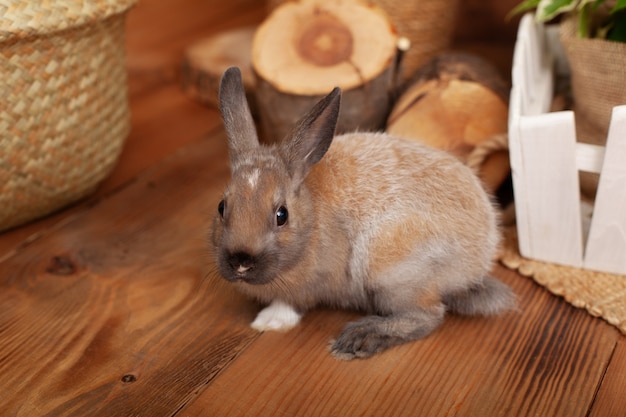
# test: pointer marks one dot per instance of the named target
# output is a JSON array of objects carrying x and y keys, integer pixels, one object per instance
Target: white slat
[
  {"x": 530, "y": 95},
  {"x": 548, "y": 148},
  {"x": 589, "y": 158},
  {"x": 606, "y": 246},
  {"x": 532, "y": 68},
  {"x": 518, "y": 175}
]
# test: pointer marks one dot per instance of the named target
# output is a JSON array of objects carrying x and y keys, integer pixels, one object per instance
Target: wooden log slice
[
  {"x": 303, "y": 50},
  {"x": 206, "y": 60},
  {"x": 490, "y": 160},
  {"x": 428, "y": 25},
  {"x": 454, "y": 116},
  {"x": 455, "y": 103}
]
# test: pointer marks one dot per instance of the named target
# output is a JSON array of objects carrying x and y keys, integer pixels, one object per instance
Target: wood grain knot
[
  {"x": 61, "y": 265},
  {"x": 129, "y": 379}
]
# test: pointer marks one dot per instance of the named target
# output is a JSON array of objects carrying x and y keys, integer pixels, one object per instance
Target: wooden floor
[{"x": 105, "y": 309}]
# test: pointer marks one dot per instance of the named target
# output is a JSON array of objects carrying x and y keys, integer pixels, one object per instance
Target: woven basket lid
[{"x": 20, "y": 19}]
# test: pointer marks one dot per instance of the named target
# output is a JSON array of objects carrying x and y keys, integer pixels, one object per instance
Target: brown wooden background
[{"x": 107, "y": 308}]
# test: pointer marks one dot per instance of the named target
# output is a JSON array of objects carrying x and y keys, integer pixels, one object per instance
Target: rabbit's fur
[{"x": 373, "y": 222}]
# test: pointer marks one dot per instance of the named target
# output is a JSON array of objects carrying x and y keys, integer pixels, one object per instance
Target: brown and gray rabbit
[{"x": 371, "y": 222}]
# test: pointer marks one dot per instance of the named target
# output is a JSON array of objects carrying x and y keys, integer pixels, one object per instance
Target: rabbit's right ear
[
  {"x": 313, "y": 135},
  {"x": 236, "y": 114}
]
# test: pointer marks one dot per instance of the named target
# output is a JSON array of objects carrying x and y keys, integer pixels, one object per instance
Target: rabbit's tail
[{"x": 489, "y": 297}]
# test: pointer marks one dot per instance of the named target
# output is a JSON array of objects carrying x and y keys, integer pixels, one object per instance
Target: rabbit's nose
[{"x": 241, "y": 262}]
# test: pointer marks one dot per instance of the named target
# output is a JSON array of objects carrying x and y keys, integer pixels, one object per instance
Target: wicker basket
[{"x": 64, "y": 114}]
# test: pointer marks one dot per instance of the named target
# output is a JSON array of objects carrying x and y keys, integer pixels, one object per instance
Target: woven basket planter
[
  {"x": 64, "y": 115},
  {"x": 598, "y": 82}
]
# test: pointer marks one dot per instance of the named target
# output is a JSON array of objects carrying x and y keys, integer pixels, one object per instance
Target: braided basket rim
[{"x": 20, "y": 19}]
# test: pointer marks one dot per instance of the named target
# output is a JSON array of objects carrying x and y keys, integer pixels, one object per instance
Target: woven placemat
[{"x": 601, "y": 294}]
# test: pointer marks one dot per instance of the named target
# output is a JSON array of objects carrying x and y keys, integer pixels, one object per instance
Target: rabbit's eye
[
  {"x": 220, "y": 208},
  {"x": 281, "y": 215}
]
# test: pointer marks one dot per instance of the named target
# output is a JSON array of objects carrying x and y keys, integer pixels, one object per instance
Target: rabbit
[{"x": 363, "y": 221}]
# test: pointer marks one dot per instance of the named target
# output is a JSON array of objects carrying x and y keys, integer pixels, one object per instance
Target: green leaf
[
  {"x": 548, "y": 9},
  {"x": 602, "y": 32},
  {"x": 594, "y": 3},
  {"x": 617, "y": 32},
  {"x": 620, "y": 5},
  {"x": 584, "y": 20},
  {"x": 522, "y": 7}
]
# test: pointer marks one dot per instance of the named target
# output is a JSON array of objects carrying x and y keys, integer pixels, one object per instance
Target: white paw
[{"x": 277, "y": 316}]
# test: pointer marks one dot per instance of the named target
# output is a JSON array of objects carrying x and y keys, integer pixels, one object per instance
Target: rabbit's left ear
[
  {"x": 313, "y": 135},
  {"x": 236, "y": 114}
]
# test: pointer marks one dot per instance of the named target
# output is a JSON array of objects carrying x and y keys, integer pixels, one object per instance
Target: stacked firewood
[{"x": 456, "y": 101}]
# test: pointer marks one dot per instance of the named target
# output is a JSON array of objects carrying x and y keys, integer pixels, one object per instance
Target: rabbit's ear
[
  {"x": 236, "y": 114},
  {"x": 313, "y": 135}
]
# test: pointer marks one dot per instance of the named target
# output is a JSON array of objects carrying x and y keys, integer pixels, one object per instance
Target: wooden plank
[
  {"x": 518, "y": 172},
  {"x": 181, "y": 22},
  {"x": 517, "y": 105},
  {"x": 113, "y": 313},
  {"x": 610, "y": 400},
  {"x": 545, "y": 360},
  {"x": 538, "y": 66},
  {"x": 606, "y": 245},
  {"x": 548, "y": 146},
  {"x": 163, "y": 121},
  {"x": 589, "y": 158},
  {"x": 532, "y": 69},
  {"x": 531, "y": 94}
]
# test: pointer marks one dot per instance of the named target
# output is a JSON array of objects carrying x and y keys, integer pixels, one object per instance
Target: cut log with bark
[
  {"x": 303, "y": 50},
  {"x": 456, "y": 102},
  {"x": 427, "y": 25},
  {"x": 206, "y": 60},
  {"x": 490, "y": 160}
]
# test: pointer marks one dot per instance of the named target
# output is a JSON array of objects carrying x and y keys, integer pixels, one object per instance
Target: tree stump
[
  {"x": 428, "y": 25},
  {"x": 456, "y": 102},
  {"x": 206, "y": 60},
  {"x": 303, "y": 50}
]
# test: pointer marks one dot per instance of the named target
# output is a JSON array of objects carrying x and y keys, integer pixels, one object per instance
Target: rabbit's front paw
[
  {"x": 362, "y": 339},
  {"x": 278, "y": 316}
]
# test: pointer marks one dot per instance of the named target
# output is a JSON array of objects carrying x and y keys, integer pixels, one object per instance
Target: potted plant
[
  {"x": 593, "y": 35},
  {"x": 595, "y": 18}
]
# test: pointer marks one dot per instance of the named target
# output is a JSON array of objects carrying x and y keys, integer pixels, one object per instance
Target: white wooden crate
[{"x": 545, "y": 160}]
